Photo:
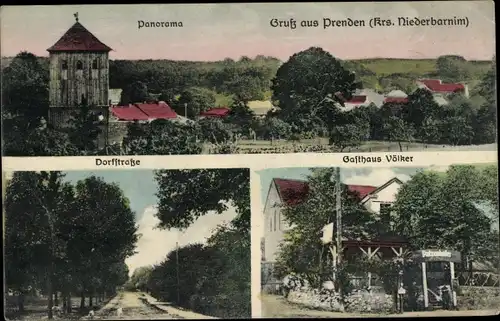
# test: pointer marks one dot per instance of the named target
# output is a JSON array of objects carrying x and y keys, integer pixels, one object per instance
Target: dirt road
[{"x": 133, "y": 308}]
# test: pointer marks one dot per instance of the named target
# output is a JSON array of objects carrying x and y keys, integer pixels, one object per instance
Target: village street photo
[
  {"x": 351, "y": 242},
  {"x": 133, "y": 245},
  {"x": 247, "y": 78}
]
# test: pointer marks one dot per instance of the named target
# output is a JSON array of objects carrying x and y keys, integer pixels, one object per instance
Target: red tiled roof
[
  {"x": 361, "y": 190},
  {"x": 437, "y": 86},
  {"x": 129, "y": 113},
  {"x": 356, "y": 100},
  {"x": 78, "y": 38},
  {"x": 216, "y": 112},
  {"x": 157, "y": 111},
  {"x": 397, "y": 100},
  {"x": 295, "y": 191}
]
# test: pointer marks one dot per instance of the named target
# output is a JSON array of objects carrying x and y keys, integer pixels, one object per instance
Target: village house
[
  {"x": 442, "y": 91},
  {"x": 286, "y": 192}
]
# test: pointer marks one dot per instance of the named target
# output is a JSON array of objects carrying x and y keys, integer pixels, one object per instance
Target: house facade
[{"x": 376, "y": 199}]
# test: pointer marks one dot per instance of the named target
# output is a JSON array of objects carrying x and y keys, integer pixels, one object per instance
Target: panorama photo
[
  {"x": 127, "y": 245},
  {"x": 248, "y": 78},
  {"x": 367, "y": 242}
]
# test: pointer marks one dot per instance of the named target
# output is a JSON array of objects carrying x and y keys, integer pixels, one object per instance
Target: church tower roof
[{"x": 78, "y": 38}]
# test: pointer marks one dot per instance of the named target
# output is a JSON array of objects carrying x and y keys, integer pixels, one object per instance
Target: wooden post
[
  {"x": 177, "y": 270},
  {"x": 424, "y": 285},
  {"x": 338, "y": 205},
  {"x": 452, "y": 288},
  {"x": 369, "y": 273}
]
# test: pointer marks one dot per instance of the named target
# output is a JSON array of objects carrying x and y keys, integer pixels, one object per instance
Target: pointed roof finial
[{"x": 76, "y": 16}]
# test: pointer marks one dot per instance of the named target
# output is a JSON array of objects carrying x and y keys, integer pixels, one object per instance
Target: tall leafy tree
[
  {"x": 310, "y": 81},
  {"x": 302, "y": 251},
  {"x": 450, "y": 210},
  {"x": 197, "y": 100},
  {"x": 25, "y": 90}
]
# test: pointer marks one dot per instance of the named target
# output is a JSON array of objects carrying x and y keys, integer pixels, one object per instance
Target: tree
[
  {"x": 41, "y": 141},
  {"x": 421, "y": 105},
  {"x": 241, "y": 115},
  {"x": 84, "y": 130},
  {"x": 430, "y": 132},
  {"x": 32, "y": 246},
  {"x": 214, "y": 130},
  {"x": 275, "y": 128},
  {"x": 353, "y": 129},
  {"x": 201, "y": 191},
  {"x": 140, "y": 277},
  {"x": 302, "y": 251},
  {"x": 107, "y": 231},
  {"x": 457, "y": 131},
  {"x": 228, "y": 250},
  {"x": 197, "y": 100},
  {"x": 25, "y": 90},
  {"x": 398, "y": 130},
  {"x": 311, "y": 80},
  {"x": 449, "y": 211},
  {"x": 135, "y": 92},
  {"x": 161, "y": 137},
  {"x": 452, "y": 68}
]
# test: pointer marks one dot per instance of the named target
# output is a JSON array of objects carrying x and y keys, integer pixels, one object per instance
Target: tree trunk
[
  {"x": 82, "y": 301},
  {"x": 56, "y": 299},
  {"x": 70, "y": 305},
  {"x": 90, "y": 301},
  {"x": 50, "y": 293},
  {"x": 64, "y": 301},
  {"x": 20, "y": 302},
  {"x": 400, "y": 147}
]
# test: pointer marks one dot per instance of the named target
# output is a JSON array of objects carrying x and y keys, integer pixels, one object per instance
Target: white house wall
[
  {"x": 273, "y": 235},
  {"x": 386, "y": 195}
]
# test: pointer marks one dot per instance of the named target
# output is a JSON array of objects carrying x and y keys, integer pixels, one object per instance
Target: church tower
[{"x": 79, "y": 74}]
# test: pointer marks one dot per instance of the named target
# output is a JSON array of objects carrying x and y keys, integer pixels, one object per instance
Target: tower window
[
  {"x": 95, "y": 64},
  {"x": 79, "y": 65},
  {"x": 64, "y": 65}
]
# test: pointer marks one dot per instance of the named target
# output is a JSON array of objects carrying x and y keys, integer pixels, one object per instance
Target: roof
[
  {"x": 437, "y": 86},
  {"x": 260, "y": 107},
  {"x": 381, "y": 187},
  {"x": 216, "y": 112},
  {"x": 294, "y": 191},
  {"x": 78, "y": 38},
  {"x": 357, "y": 99},
  {"x": 129, "y": 113},
  {"x": 397, "y": 94},
  {"x": 157, "y": 111},
  {"x": 396, "y": 100}
]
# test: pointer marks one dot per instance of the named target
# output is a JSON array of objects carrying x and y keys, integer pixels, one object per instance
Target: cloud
[
  {"x": 155, "y": 244},
  {"x": 374, "y": 177}
]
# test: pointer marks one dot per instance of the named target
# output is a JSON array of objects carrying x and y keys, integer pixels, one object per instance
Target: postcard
[{"x": 249, "y": 78}]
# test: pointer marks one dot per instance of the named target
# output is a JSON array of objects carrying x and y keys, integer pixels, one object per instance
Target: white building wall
[
  {"x": 274, "y": 225},
  {"x": 385, "y": 196}
]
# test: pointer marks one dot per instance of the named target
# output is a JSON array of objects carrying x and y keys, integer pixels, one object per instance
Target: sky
[
  {"x": 216, "y": 31},
  {"x": 140, "y": 187}
]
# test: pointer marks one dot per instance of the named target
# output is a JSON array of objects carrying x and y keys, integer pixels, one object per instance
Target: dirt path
[
  {"x": 277, "y": 307},
  {"x": 133, "y": 309}
]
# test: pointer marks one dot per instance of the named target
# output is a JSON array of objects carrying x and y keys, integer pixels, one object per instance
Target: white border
[{"x": 252, "y": 161}]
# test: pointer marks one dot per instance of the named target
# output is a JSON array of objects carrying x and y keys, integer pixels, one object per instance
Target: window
[
  {"x": 270, "y": 224},
  {"x": 95, "y": 64},
  {"x": 385, "y": 213},
  {"x": 79, "y": 65},
  {"x": 275, "y": 216},
  {"x": 64, "y": 65},
  {"x": 279, "y": 222}
]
